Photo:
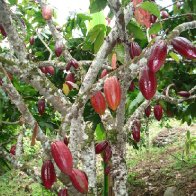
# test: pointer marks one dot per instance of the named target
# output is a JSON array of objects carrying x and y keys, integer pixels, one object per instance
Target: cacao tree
[{"x": 81, "y": 97}]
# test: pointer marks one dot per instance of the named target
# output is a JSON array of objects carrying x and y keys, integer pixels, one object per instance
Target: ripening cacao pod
[
  {"x": 147, "y": 83},
  {"x": 112, "y": 91},
  {"x": 66, "y": 141},
  {"x": 70, "y": 77},
  {"x": 107, "y": 170},
  {"x": 136, "y": 131},
  {"x": 164, "y": 14},
  {"x": 132, "y": 86},
  {"x": 71, "y": 63},
  {"x": 13, "y": 150},
  {"x": 48, "y": 174},
  {"x": 107, "y": 154},
  {"x": 62, "y": 156},
  {"x": 184, "y": 47},
  {"x": 148, "y": 111},
  {"x": 104, "y": 73},
  {"x": 32, "y": 40},
  {"x": 49, "y": 70},
  {"x": 47, "y": 12},
  {"x": 79, "y": 180},
  {"x": 2, "y": 30},
  {"x": 41, "y": 106},
  {"x": 134, "y": 49},
  {"x": 114, "y": 60},
  {"x": 58, "y": 48},
  {"x": 157, "y": 56},
  {"x": 184, "y": 94},
  {"x": 66, "y": 89},
  {"x": 158, "y": 112},
  {"x": 98, "y": 102},
  {"x": 63, "y": 192},
  {"x": 100, "y": 147}
]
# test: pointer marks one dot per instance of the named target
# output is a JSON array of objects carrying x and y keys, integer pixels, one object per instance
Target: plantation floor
[{"x": 152, "y": 173}]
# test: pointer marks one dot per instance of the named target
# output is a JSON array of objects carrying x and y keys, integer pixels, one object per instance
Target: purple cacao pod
[
  {"x": 107, "y": 154},
  {"x": 41, "y": 106},
  {"x": 100, "y": 147},
  {"x": 136, "y": 131},
  {"x": 158, "y": 112},
  {"x": 185, "y": 94},
  {"x": 134, "y": 49},
  {"x": 13, "y": 150},
  {"x": 148, "y": 111}
]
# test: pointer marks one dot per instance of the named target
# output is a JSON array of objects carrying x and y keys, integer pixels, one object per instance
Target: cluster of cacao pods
[
  {"x": 63, "y": 159},
  {"x": 112, "y": 92},
  {"x": 105, "y": 150},
  {"x": 158, "y": 111},
  {"x": 48, "y": 70}
]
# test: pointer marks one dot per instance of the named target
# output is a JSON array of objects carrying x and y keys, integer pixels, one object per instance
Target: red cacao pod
[
  {"x": 136, "y": 131},
  {"x": 112, "y": 91},
  {"x": 148, "y": 111},
  {"x": 58, "y": 48},
  {"x": 157, "y": 56},
  {"x": 107, "y": 170},
  {"x": 66, "y": 141},
  {"x": 62, "y": 157},
  {"x": 32, "y": 40},
  {"x": 153, "y": 18},
  {"x": 184, "y": 94},
  {"x": 147, "y": 83},
  {"x": 100, "y": 147},
  {"x": 104, "y": 73},
  {"x": 2, "y": 30},
  {"x": 13, "y": 150},
  {"x": 71, "y": 63},
  {"x": 158, "y": 112},
  {"x": 70, "y": 77},
  {"x": 132, "y": 86},
  {"x": 63, "y": 192},
  {"x": 43, "y": 69},
  {"x": 47, "y": 12},
  {"x": 134, "y": 49},
  {"x": 48, "y": 174},
  {"x": 107, "y": 154},
  {"x": 49, "y": 70},
  {"x": 164, "y": 14},
  {"x": 184, "y": 47},
  {"x": 79, "y": 180},
  {"x": 41, "y": 106},
  {"x": 98, "y": 102}
]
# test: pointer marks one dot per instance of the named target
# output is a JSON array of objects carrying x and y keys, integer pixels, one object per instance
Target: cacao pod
[
  {"x": 132, "y": 86},
  {"x": 58, "y": 48},
  {"x": 157, "y": 56},
  {"x": 114, "y": 60},
  {"x": 62, "y": 156},
  {"x": 98, "y": 102},
  {"x": 164, "y": 14},
  {"x": 107, "y": 170},
  {"x": 104, "y": 73},
  {"x": 148, "y": 111},
  {"x": 49, "y": 70},
  {"x": 112, "y": 91},
  {"x": 71, "y": 63},
  {"x": 2, "y": 30},
  {"x": 66, "y": 141},
  {"x": 63, "y": 192},
  {"x": 41, "y": 106},
  {"x": 158, "y": 112},
  {"x": 70, "y": 77},
  {"x": 184, "y": 47},
  {"x": 147, "y": 83},
  {"x": 66, "y": 89},
  {"x": 153, "y": 18},
  {"x": 136, "y": 131},
  {"x": 79, "y": 180},
  {"x": 47, "y": 12},
  {"x": 13, "y": 150},
  {"x": 32, "y": 40},
  {"x": 184, "y": 94},
  {"x": 43, "y": 69},
  {"x": 134, "y": 49},
  {"x": 107, "y": 154},
  {"x": 48, "y": 174},
  {"x": 100, "y": 147}
]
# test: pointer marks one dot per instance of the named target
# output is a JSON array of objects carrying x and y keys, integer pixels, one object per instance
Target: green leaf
[
  {"x": 151, "y": 7},
  {"x": 99, "y": 41},
  {"x": 13, "y": 2},
  {"x": 97, "y": 5},
  {"x": 155, "y": 28},
  {"x": 100, "y": 132},
  {"x": 175, "y": 57},
  {"x": 188, "y": 135},
  {"x": 134, "y": 29}
]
